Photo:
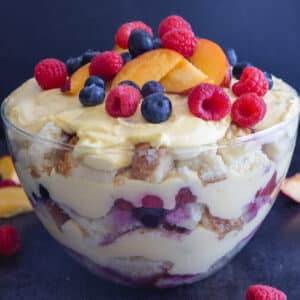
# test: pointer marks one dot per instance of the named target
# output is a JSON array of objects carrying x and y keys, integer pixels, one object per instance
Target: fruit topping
[
  {"x": 239, "y": 67},
  {"x": 172, "y": 22},
  {"x": 156, "y": 43},
  {"x": 10, "y": 242},
  {"x": 152, "y": 65},
  {"x": 252, "y": 80},
  {"x": 228, "y": 76},
  {"x": 131, "y": 83},
  {"x": 122, "y": 101},
  {"x": 231, "y": 56},
  {"x": 7, "y": 169},
  {"x": 210, "y": 59},
  {"x": 123, "y": 33},
  {"x": 151, "y": 201},
  {"x": 50, "y": 73},
  {"x": 182, "y": 41},
  {"x": 209, "y": 102},
  {"x": 126, "y": 56},
  {"x": 88, "y": 55},
  {"x": 106, "y": 65},
  {"x": 73, "y": 64},
  {"x": 269, "y": 79},
  {"x": 156, "y": 108},
  {"x": 92, "y": 95},
  {"x": 139, "y": 41},
  {"x": 95, "y": 80},
  {"x": 76, "y": 82},
  {"x": 185, "y": 196},
  {"x": 291, "y": 187},
  {"x": 150, "y": 217},
  {"x": 248, "y": 110},
  {"x": 264, "y": 292},
  {"x": 151, "y": 87}
]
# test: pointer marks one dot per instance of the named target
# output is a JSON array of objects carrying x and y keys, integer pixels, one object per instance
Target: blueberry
[
  {"x": 231, "y": 56},
  {"x": 44, "y": 192},
  {"x": 139, "y": 42},
  {"x": 126, "y": 56},
  {"x": 156, "y": 108},
  {"x": 73, "y": 64},
  {"x": 88, "y": 55},
  {"x": 270, "y": 79},
  {"x": 151, "y": 87},
  {"x": 95, "y": 80},
  {"x": 239, "y": 68},
  {"x": 91, "y": 95},
  {"x": 150, "y": 217},
  {"x": 156, "y": 43},
  {"x": 131, "y": 83}
]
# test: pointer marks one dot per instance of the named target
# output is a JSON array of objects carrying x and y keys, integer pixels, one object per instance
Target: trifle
[{"x": 153, "y": 163}]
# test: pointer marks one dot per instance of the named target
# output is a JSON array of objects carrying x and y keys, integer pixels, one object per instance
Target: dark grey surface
[{"x": 42, "y": 271}]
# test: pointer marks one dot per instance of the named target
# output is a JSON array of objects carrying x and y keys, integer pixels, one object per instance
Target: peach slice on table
[
  {"x": 7, "y": 169},
  {"x": 182, "y": 77},
  {"x": 210, "y": 59},
  {"x": 152, "y": 65},
  {"x": 290, "y": 187},
  {"x": 77, "y": 80}
]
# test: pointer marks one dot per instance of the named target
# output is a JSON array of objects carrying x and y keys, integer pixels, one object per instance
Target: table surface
[{"x": 42, "y": 271}]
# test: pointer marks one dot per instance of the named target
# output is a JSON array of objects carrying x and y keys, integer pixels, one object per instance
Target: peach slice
[
  {"x": 118, "y": 49},
  {"x": 77, "y": 80},
  {"x": 7, "y": 169},
  {"x": 291, "y": 187},
  {"x": 152, "y": 65},
  {"x": 13, "y": 201},
  {"x": 210, "y": 59},
  {"x": 182, "y": 77}
]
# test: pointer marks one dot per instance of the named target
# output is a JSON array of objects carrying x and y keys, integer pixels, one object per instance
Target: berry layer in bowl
[{"x": 164, "y": 194}]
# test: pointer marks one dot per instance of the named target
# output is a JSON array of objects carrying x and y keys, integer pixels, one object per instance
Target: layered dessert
[{"x": 154, "y": 163}]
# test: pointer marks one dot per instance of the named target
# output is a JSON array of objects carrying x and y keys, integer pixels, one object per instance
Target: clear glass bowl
[{"x": 165, "y": 219}]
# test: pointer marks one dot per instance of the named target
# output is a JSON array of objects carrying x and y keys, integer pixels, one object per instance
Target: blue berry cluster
[{"x": 93, "y": 92}]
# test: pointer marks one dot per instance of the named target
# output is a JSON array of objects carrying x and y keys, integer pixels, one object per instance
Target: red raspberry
[
  {"x": 264, "y": 292},
  {"x": 123, "y": 204},
  {"x": 248, "y": 110},
  {"x": 151, "y": 201},
  {"x": 122, "y": 101},
  {"x": 180, "y": 40},
  {"x": 106, "y": 65},
  {"x": 252, "y": 80},
  {"x": 10, "y": 241},
  {"x": 173, "y": 22},
  {"x": 7, "y": 183},
  {"x": 123, "y": 33},
  {"x": 209, "y": 102},
  {"x": 50, "y": 73}
]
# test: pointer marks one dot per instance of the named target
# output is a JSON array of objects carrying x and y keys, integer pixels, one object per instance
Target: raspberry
[
  {"x": 10, "y": 241},
  {"x": 50, "y": 73},
  {"x": 209, "y": 102},
  {"x": 7, "y": 183},
  {"x": 172, "y": 22},
  {"x": 106, "y": 64},
  {"x": 248, "y": 110},
  {"x": 181, "y": 40},
  {"x": 123, "y": 33},
  {"x": 264, "y": 292},
  {"x": 151, "y": 201},
  {"x": 252, "y": 80},
  {"x": 122, "y": 101},
  {"x": 123, "y": 204}
]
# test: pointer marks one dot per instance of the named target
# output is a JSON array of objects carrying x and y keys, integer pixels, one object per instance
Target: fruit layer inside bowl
[{"x": 155, "y": 162}]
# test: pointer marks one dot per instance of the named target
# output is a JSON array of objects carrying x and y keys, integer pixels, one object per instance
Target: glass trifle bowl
[{"x": 145, "y": 215}]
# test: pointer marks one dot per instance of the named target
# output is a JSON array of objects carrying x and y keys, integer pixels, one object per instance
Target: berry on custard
[
  {"x": 181, "y": 40},
  {"x": 73, "y": 64},
  {"x": 252, "y": 80},
  {"x": 122, "y": 101},
  {"x": 92, "y": 95},
  {"x": 152, "y": 87},
  {"x": 131, "y": 83},
  {"x": 156, "y": 43},
  {"x": 151, "y": 201},
  {"x": 264, "y": 292},
  {"x": 140, "y": 41},
  {"x": 10, "y": 242},
  {"x": 106, "y": 65},
  {"x": 172, "y": 22},
  {"x": 88, "y": 55},
  {"x": 126, "y": 56},
  {"x": 209, "y": 102},
  {"x": 123, "y": 33},
  {"x": 95, "y": 80},
  {"x": 156, "y": 108},
  {"x": 248, "y": 110},
  {"x": 239, "y": 67},
  {"x": 50, "y": 73}
]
